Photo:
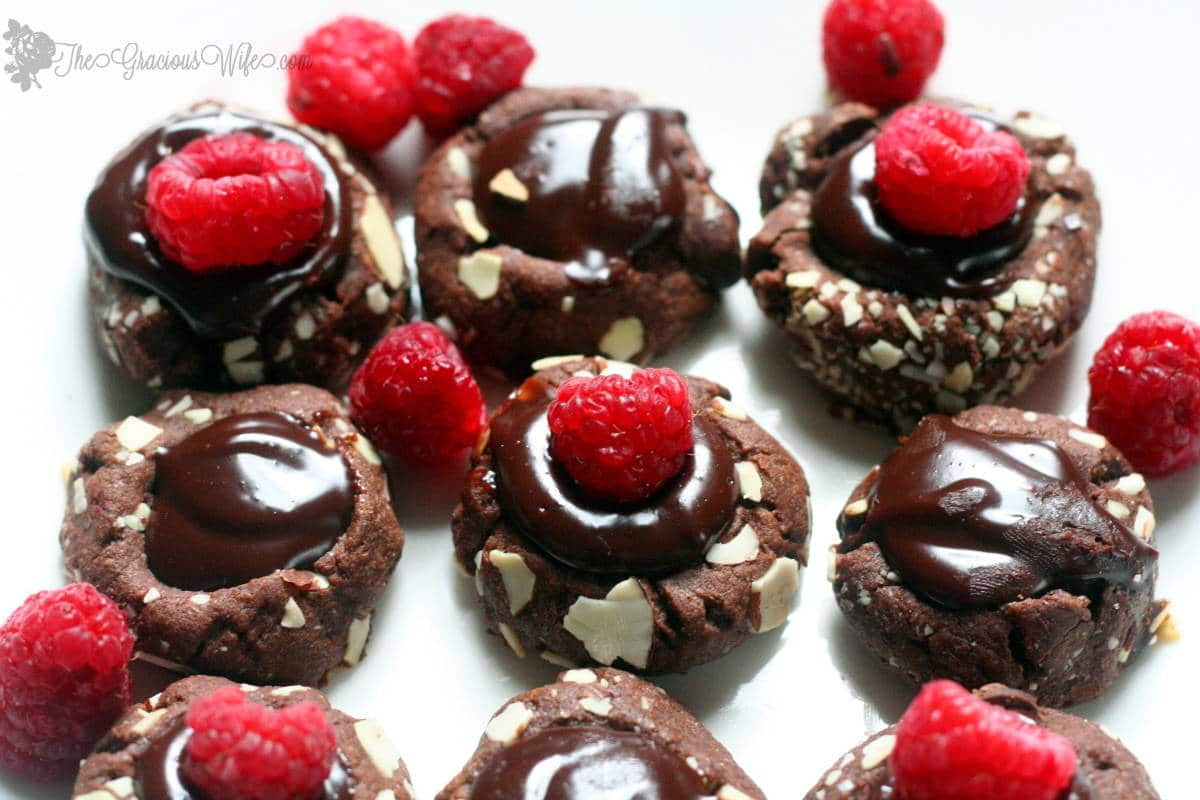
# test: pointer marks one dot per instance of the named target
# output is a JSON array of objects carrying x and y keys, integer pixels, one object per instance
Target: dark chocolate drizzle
[
  {"x": 602, "y": 187},
  {"x": 587, "y": 763},
  {"x": 668, "y": 531},
  {"x": 853, "y": 233},
  {"x": 221, "y": 304},
  {"x": 243, "y": 497},
  {"x": 158, "y": 776},
  {"x": 973, "y": 520}
]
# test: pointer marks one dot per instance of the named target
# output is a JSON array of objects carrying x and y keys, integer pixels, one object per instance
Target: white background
[{"x": 1120, "y": 76}]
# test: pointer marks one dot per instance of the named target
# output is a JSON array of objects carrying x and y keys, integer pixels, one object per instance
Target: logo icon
[{"x": 29, "y": 52}]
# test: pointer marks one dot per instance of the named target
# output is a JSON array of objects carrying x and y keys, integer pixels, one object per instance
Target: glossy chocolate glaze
[
  {"x": 854, "y": 234},
  {"x": 222, "y": 304},
  {"x": 973, "y": 520},
  {"x": 243, "y": 497},
  {"x": 587, "y": 763},
  {"x": 158, "y": 776},
  {"x": 602, "y": 186},
  {"x": 668, "y": 531}
]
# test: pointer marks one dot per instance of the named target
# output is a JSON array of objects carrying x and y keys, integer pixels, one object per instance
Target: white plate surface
[{"x": 1117, "y": 75}]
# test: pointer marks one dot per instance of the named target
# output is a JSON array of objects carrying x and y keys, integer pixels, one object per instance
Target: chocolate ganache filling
[
  {"x": 243, "y": 497},
  {"x": 216, "y": 304},
  {"x": 159, "y": 777},
  {"x": 598, "y": 188},
  {"x": 669, "y": 530},
  {"x": 974, "y": 520},
  {"x": 587, "y": 763},
  {"x": 852, "y": 232}
]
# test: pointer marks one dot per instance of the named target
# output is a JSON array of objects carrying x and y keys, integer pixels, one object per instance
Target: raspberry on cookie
[
  {"x": 598, "y": 733},
  {"x": 246, "y": 535},
  {"x": 997, "y": 744},
  {"x": 621, "y": 438},
  {"x": 940, "y": 173},
  {"x": 234, "y": 200},
  {"x": 226, "y": 249},
  {"x": 924, "y": 261},
  {"x": 950, "y": 743},
  {"x": 1002, "y": 545},
  {"x": 240, "y": 750},
  {"x": 571, "y": 221},
  {"x": 207, "y": 737},
  {"x": 615, "y": 515}
]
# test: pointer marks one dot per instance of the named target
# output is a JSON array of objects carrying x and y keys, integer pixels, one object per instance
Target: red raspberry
[
  {"x": 951, "y": 744},
  {"x": 881, "y": 52},
  {"x": 463, "y": 65},
  {"x": 239, "y": 750},
  {"x": 1145, "y": 397},
  {"x": 622, "y": 438},
  {"x": 415, "y": 396},
  {"x": 63, "y": 679},
  {"x": 940, "y": 172},
  {"x": 354, "y": 79},
  {"x": 234, "y": 199}
]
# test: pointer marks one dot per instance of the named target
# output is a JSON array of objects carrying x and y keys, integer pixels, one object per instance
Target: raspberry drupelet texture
[
  {"x": 950, "y": 743},
  {"x": 239, "y": 750},
  {"x": 353, "y": 77},
  {"x": 621, "y": 438},
  {"x": 939, "y": 172},
  {"x": 463, "y": 64},
  {"x": 64, "y": 679},
  {"x": 1145, "y": 391},
  {"x": 236, "y": 199},
  {"x": 881, "y": 52},
  {"x": 416, "y": 398}
]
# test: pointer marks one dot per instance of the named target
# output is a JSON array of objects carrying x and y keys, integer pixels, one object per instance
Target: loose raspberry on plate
[
  {"x": 1145, "y": 391},
  {"x": 63, "y": 678},
  {"x": 463, "y": 64},
  {"x": 353, "y": 77},
  {"x": 416, "y": 398},
  {"x": 240, "y": 750},
  {"x": 881, "y": 52},
  {"x": 952, "y": 744},
  {"x": 236, "y": 199},
  {"x": 622, "y": 438},
  {"x": 939, "y": 172}
]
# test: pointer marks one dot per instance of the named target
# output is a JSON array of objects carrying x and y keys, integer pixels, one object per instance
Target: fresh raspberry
[
  {"x": 240, "y": 750},
  {"x": 464, "y": 64},
  {"x": 415, "y": 396},
  {"x": 235, "y": 199},
  {"x": 353, "y": 77},
  {"x": 939, "y": 172},
  {"x": 1145, "y": 397},
  {"x": 622, "y": 438},
  {"x": 64, "y": 679},
  {"x": 951, "y": 744},
  {"x": 881, "y": 52}
]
